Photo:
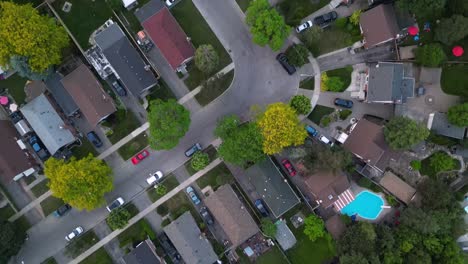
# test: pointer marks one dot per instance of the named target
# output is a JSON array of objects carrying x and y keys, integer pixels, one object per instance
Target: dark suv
[
  {"x": 325, "y": 19},
  {"x": 343, "y": 103},
  {"x": 283, "y": 60},
  {"x": 119, "y": 89},
  {"x": 93, "y": 137}
]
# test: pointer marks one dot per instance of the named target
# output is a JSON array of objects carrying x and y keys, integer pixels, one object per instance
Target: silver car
[
  {"x": 76, "y": 232},
  {"x": 304, "y": 26}
]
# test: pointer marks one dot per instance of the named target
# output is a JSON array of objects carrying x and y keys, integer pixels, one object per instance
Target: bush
[
  {"x": 392, "y": 201},
  {"x": 118, "y": 218},
  {"x": 341, "y": 22},
  {"x": 345, "y": 113},
  {"x": 165, "y": 222},
  {"x": 162, "y": 210},
  {"x": 301, "y": 104},
  {"x": 200, "y": 160},
  {"x": 415, "y": 164},
  {"x": 297, "y": 55},
  {"x": 430, "y": 55},
  {"x": 325, "y": 121},
  {"x": 161, "y": 190},
  {"x": 441, "y": 161},
  {"x": 269, "y": 228}
]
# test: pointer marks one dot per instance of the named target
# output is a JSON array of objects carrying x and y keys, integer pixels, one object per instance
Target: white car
[
  {"x": 326, "y": 140},
  {"x": 115, "y": 204},
  {"x": 76, "y": 232},
  {"x": 169, "y": 2},
  {"x": 304, "y": 26},
  {"x": 154, "y": 177}
]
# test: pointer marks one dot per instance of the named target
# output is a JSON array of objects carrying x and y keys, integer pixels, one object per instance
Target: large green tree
[
  {"x": 26, "y": 33},
  {"x": 458, "y": 7},
  {"x": 451, "y": 29},
  {"x": 458, "y": 115},
  {"x": 168, "y": 122},
  {"x": 266, "y": 25},
  {"x": 11, "y": 239},
  {"x": 314, "y": 228},
  {"x": 403, "y": 133},
  {"x": 430, "y": 55},
  {"x": 425, "y": 9},
  {"x": 301, "y": 104},
  {"x": 297, "y": 55},
  {"x": 81, "y": 183},
  {"x": 206, "y": 58},
  {"x": 441, "y": 161}
]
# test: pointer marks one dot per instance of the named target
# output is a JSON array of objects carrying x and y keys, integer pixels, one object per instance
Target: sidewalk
[{"x": 30, "y": 206}]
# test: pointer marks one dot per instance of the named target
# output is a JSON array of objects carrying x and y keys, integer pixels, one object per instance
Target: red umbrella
[
  {"x": 457, "y": 51},
  {"x": 3, "y": 100},
  {"x": 413, "y": 31}
]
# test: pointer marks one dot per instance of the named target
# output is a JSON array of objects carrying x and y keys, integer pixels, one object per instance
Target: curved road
[{"x": 258, "y": 80}]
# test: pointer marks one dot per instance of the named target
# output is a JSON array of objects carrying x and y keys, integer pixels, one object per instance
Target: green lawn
[
  {"x": 169, "y": 181},
  {"x": 295, "y": 10},
  {"x": 122, "y": 123},
  {"x": 133, "y": 146},
  {"x": 426, "y": 169},
  {"x": 81, "y": 244},
  {"x": 50, "y": 204},
  {"x": 306, "y": 251},
  {"x": 98, "y": 257},
  {"x": 319, "y": 112},
  {"x": 442, "y": 140},
  {"x": 83, "y": 151},
  {"x": 344, "y": 74},
  {"x": 308, "y": 84},
  {"x": 29, "y": 179},
  {"x": 211, "y": 91},
  {"x": 200, "y": 33},
  {"x": 212, "y": 154},
  {"x": 243, "y": 4},
  {"x": 6, "y": 212},
  {"x": 162, "y": 92},
  {"x": 130, "y": 20},
  {"x": 137, "y": 232},
  {"x": 85, "y": 17},
  {"x": 454, "y": 79},
  {"x": 15, "y": 85},
  {"x": 22, "y": 224},
  {"x": 180, "y": 204},
  {"x": 50, "y": 260},
  {"x": 273, "y": 256},
  {"x": 40, "y": 188},
  {"x": 216, "y": 177}
]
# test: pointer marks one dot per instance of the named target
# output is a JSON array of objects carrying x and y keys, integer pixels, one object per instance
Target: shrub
[
  {"x": 341, "y": 22},
  {"x": 118, "y": 218},
  {"x": 206, "y": 58},
  {"x": 161, "y": 190},
  {"x": 430, "y": 55},
  {"x": 301, "y": 104},
  {"x": 165, "y": 222},
  {"x": 268, "y": 227},
  {"x": 200, "y": 160},
  {"x": 325, "y": 121},
  {"x": 162, "y": 210},
  {"x": 392, "y": 201},
  {"x": 297, "y": 55},
  {"x": 415, "y": 164},
  {"x": 345, "y": 113},
  {"x": 441, "y": 161}
]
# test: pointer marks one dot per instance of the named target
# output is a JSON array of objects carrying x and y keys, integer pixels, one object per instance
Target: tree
[
  {"x": 353, "y": 259},
  {"x": 297, "y": 55},
  {"x": 430, "y": 55},
  {"x": 21, "y": 65},
  {"x": 36, "y": 37},
  {"x": 11, "y": 239},
  {"x": 355, "y": 17},
  {"x": 364, "y": 233},
  {"x": 314, "y": 227},
  {"x": 332, "y": 84},
  {"x": 161, "y": 190},
  {"x": 206, "y": 58},
  {"x": 312, "y": 35},
  {"x": 458, "y": 115},
  {"x": 168, "y": 122},
  {"x": 81, "y": 183},
  {"x": 403, "y": 133},
  {"x": 301, "y": 104},
  {"x": 280, "y": 128},
  {"x": 321, "y": 157},
  {"x": 118, "y": 218},
  {"x": 199, "y": 161},
  {"x": 425, "y": 9},
  {"x": 441, "y": 161},
  {"x": 226, "y": 126},
  {"x": 458, "y": 7},
  {"x": 268, "y": 227},
  {"x": 452, "y": 29},
  {"x": 266, "y": 25}
]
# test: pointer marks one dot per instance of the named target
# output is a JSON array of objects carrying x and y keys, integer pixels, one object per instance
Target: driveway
[{"x": 343, "y": 11}]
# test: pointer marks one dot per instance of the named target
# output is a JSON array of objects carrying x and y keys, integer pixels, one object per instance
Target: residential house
[
  {"x": 191, "y": 244},
  {"x": 284, "y": 235},
  {"x": 143, "y": 253},
  {"x": 88, "y": 94},
  {"x": 232, "y": 215},
  {"x": 47, "y": 124},
  {"x": 335, "y": 226},
  {"x": 439, "y": 124},
  {"x": 61, "y": 95},
  {"x": 272, "y": 187},
  {"x": 379, "y": 25},
  {"x": 399, "y": 188},
  {"x": 15, "y": 161},
  {"x": 166, "y": 34}
]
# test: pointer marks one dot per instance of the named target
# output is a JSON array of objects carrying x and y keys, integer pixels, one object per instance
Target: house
[
  {"x": 379, "y": 25},
  {"x": 284, "y": 235},
  {"x": 330, "y": 189},
  {"x": 335, "y": 226},
  {"x": 399, "y": 188},
  {"x": 143, "y": 253},
  {"x": 15, "y": 161},
  {"x": 88, "y": 94},
  {"x": 272, "y": 187},
  {"x": 232, "y": 215},
  {"x": 48, "y": 125},
  {"x": 439, "y": 124},
  {"x": 191, "y": 244},
  {"x": 388, "y": 83},
  {"x": 61, "y": 95},
  {"x": 114, "y": 53},
  {"x": 166, "y": 34}
]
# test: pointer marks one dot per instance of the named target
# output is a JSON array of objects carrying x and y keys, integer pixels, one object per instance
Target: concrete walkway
[
  {"x": 30, "y": 206},
  {"x": 146, "y": 211},
  {"x": 39, "y": 179}
]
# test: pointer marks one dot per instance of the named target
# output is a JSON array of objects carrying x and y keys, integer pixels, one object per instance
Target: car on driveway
[
  {"x": 325, "y": 19},
  {"x": 289, "y": 167},
  {"x": 169, "y": 2},
  {"x": 206, "y": 215},
  {"x": 62, "y": 210},
  {"x": 154, "y": 177},
  {"x": 115, "y": 204},
  {"x": 261, "y": 207},
  {"x": 140, "y": 156},
  {"x": 343, "y": 103},
  {"x": 325, "y": 140},
  {"x": 192, "y": 150},
  {"x": 304, "y": 26},
  {"x": 38, "y": 148},
  {"x": 283, "y": 60},
  {"x": 76, "y": 232},
  {"x": 94, "y": 138},
  {"x": 193, "y": 195},
  {"x": 119, "y": 89},
  {"x": 312, "y": 131}
]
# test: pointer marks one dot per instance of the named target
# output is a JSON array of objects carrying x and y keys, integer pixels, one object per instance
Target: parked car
[
  {"x": 193, "y": 195},
  {"x": 140, "y": 156},
  {"x": 38, "y": 148},
  {"x": 312, "y": 131},
  {"x": 62, "y": 210},
  {"x": 169, "y": 2},
  {"x": 144, "y": 41},
  {"x": 76, "y": 232},
  {"x": 343, "y": 103},
  {"x": 261, "y": 207},
  {"x": 420, "y": 91},
  {"x": 16, "y": 117},
  {"x": 192, "y": 150},
  {"x": 94, "y": 138},
  {"x": 119, "y": 89},
  {"x": 325, "y": 19},
  {"x": 283, "y": 60},
  {"x": 154, "y": 177},
  {"x": 325, "y": 140},
  {"x": 304, "y": 26},
  {"x": 289, "y": 167},
  {"x": 115, "y": 204},
  {"x": 206, "y": 215}
]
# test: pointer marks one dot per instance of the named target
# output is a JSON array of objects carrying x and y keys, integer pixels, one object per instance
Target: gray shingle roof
[
  {"x": 60, "y": 95},
  {"x": 47, "y": 124},
  {"x": 388, "y": 83},
  {"x": 148, "y": 10},
  {"x": 439, "y": 123},
  {"x": 285, "y": 237},
  {"x": 144, "y": 253},
  {"x": 187, "y": 239}
]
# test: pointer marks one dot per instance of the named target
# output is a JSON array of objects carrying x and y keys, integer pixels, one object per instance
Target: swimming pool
[{"x": 367, "y": 205}]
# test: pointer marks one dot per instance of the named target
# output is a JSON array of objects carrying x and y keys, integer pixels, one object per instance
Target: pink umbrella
[
  {"x": 413, "y": 31},
  {"x": 457, "y": 51},
  {"x": 3, "y": 100}
]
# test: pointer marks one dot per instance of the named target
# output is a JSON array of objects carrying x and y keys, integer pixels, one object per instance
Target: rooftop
[
  {"x": 438, "y": 123},
  {"x": 144, "y": 253},
  {"x": 60, "y": 95},
  {"x": 284, "y": 236},
  {"x": 379, "y": 25},
  {"x": 403, "y": 191},
  {"x": 335, "y": 226},
  {"x": 327, "y": 186}
]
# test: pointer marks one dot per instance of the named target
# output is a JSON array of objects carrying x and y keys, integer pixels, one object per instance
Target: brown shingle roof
[
  {"x": 87, "y": 92},
  {"x": 335, "y": 226},
  {"x": 231, "y": 214},
  {"x": 397, "y": 187},
  {"x": 378, "y": 25},
  {"x": 325, "y": 183}
]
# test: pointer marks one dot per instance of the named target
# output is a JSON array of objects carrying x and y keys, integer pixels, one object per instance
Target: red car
[
  {"x": 140, "y": 156},
  {"x": 288, "y": 166}
]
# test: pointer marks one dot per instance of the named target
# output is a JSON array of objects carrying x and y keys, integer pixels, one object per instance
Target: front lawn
[
  {"x": 180, "y": 204},
  {"x": 6, "y": 212},
  {"x": 50, "y": 204},
  {"x": 454, "y": 79},
  {"x": 295, "y": 10},
  {"x": 40, "y": 188},
  {"x": 121, "y": 123},
  {"x": 170, "y": 182},
  {"x": 273, "y": 256},
  {"x": 214, "y": 89},
  {"x": 308, "y": 84},
  {"x": 84, "y": 150},
  {"x": 15, "y": 85},
  {"x": 216, "y": 177},
  {"x": 137, "y": 232},
  {"x": 344, "y": 74},
  {"x": 81, "y": 244},
  {"x": 133, "y": 146},
  {"x": 306, "y": 251},
  {"x": 319, "y": 112},
  {"x": 162, "y": 92},
  {"x": 100, "y": 257}
]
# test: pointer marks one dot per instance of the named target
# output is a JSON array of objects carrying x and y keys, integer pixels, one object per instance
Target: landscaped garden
[
  {"x": 15, "y": 85},
  {"x": 213, "y": 88},
  {"x": 216, "y": 177},
  {"x": 454, "y": 79},
  {"x": 319, "y": 112},
  {"x": 438, "y": 162}
]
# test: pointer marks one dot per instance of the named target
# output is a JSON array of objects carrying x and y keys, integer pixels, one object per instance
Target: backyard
[
  {"x": 319, "y": 112},
  {"x": 170, "y": 182},
  {"x": 213, "y": 89},
  {"x": 15, "y": 85},
  {"x": 133, "y": 146},
  {"x": 454, "y": 79},
  {"x": 306, "y": 251},
  {"x": 216, "y": 177},
  {"x": 273, "y": 256},
  {"x": 431, "y": 170}
]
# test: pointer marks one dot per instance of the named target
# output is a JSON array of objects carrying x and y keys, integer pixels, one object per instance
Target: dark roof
[
  {"x": 327, "y": 186},
  {"x": 231, "y": 214},
  {"x": 144, "y": 253},
  {"x": 87, "y": 92},
  {"x": 125, "y": 60},
  {"x": 378, "y": 25},
  {"x": 189, "y": 241},
  {"x": 388, "y": 83},
  {"x": 60, "y": 95},
  {"x": 272, "y": 187},
  {"x": 166, "y": 33},
  {"x": 13, "y": 160},
  {"x": 152, "y": 7},
  {"x": 335, "y": 226},
  {"x": 439, "y": 123}
]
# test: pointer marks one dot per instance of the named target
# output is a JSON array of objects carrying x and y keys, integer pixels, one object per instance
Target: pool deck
[{"x": 383, "y": 214}]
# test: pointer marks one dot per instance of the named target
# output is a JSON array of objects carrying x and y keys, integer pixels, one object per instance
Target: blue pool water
[{"x": 367, "y": 205}]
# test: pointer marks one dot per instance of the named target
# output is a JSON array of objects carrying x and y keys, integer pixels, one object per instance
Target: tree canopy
[
  {"x": 168, "y": 122},
  {"x": 430, "y": 55},
  {"x": 403, "y": 133},
  {"x": 81, "y": 183},
  {"x": 458, "y": 7},
  {"x": 11, "y": 239},
  {"x": 458, "y": 115},
  {"x": 26, "y": 33},
  {"x": 206, "y": 58},
  {"x": 425, "y": 9},
  {"x": 118, "y": 218},
  {"x": 301, "y": 104},
  {"x": 441, "y": 161},
  {"x": 268, "y": 227},
  {"x": 451, "y": 29},
  {"x": 297, "y": 55},
  {"x": 280, "y": 128},
  {"x": 314, "y": 228},
  {"x": 199, "y": 161}
]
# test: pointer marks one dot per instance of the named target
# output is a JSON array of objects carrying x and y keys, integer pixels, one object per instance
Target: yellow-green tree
[
  {"x": 81, "y": 183},
  {"x": 280, "y": 128},
  {"x": 24, "y": 32}
]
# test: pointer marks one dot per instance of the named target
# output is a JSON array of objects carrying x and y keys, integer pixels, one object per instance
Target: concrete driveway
[{"x": 343, "y": 11}]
